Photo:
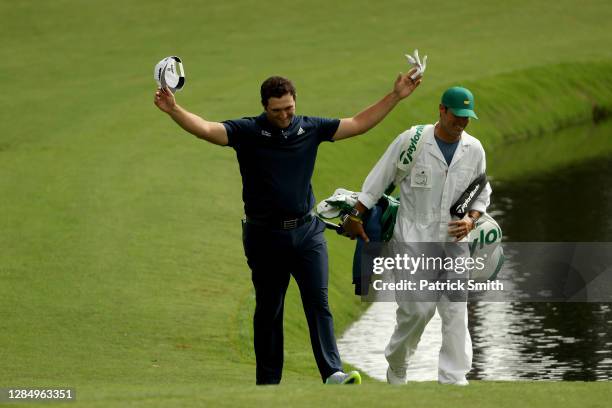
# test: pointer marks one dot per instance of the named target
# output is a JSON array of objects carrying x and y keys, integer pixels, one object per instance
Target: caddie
[
  {"x": 446, "y": 162},
  {"x": 276, "y": 153}
]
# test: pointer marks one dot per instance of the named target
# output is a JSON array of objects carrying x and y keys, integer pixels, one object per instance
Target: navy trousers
[{"x": 273, "y": 256}]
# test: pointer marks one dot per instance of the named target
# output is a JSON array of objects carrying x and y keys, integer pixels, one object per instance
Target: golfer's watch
[{"x": 474, "y": 220}]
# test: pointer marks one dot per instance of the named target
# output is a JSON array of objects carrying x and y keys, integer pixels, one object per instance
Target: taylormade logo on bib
[{"x": 406, "y": 155}]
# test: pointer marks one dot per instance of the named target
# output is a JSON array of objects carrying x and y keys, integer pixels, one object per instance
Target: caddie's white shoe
[
  {"x": 460, "y": 383},
  {"x": 396, "y": 378}
]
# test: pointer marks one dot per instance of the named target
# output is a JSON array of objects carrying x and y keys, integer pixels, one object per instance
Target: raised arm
[
  {"x": 213, "y": 132},
  {"x": 371, "y": 116}
]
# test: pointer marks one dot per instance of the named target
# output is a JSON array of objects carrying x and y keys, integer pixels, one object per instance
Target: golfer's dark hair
[{"x": 276, "y": 87}]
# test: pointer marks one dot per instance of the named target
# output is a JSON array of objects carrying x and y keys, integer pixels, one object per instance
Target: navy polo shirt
[{"x": 277, "y": 164}]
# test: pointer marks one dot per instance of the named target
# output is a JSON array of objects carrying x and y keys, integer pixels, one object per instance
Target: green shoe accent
[
  {"x": 344, "y": 378},
  {"x": 353, "y": 378}
]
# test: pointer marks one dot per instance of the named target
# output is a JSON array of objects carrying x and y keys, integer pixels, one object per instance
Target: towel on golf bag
[{"x": 378, "y": 223}]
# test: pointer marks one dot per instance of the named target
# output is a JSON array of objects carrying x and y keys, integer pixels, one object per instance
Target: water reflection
[
  {"x": 561, "y": 341},
  {"x": 555, "y": 341},
  {"x": 569, "y": 205}
]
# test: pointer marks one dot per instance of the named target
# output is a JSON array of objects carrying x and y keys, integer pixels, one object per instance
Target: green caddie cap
[{"x": 460, "y": 101}]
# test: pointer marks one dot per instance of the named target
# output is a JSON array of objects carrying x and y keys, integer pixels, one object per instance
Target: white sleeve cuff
[
  {"x": 479, "y": 206},
  {"x": 483, "y": 200},
  {"x": 368, "y": 200}
]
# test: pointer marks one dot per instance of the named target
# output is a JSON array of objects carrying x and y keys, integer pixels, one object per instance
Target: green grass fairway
[
  {"x": 294, "y": 394},
  {"x": 121, "y": 265}
]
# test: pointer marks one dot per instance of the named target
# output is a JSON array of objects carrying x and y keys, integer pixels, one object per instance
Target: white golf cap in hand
[
  {"x": 169, "y": 73},
  {"x": 416, "y": 62}
]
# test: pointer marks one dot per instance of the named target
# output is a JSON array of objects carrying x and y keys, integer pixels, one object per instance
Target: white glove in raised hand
[{"x": 416, "y": 62}]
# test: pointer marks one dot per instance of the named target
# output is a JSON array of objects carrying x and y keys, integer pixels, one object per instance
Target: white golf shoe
[{"x": 396, "y": 377}]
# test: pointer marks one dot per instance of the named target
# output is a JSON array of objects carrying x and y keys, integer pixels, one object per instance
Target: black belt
[{"x": 280, "y": 224}]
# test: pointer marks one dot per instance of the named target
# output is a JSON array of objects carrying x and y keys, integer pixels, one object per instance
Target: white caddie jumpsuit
[{"x": 427, "y": 195}]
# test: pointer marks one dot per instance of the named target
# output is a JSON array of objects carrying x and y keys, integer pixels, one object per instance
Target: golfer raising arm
[{"x": 276, "y": 153}]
